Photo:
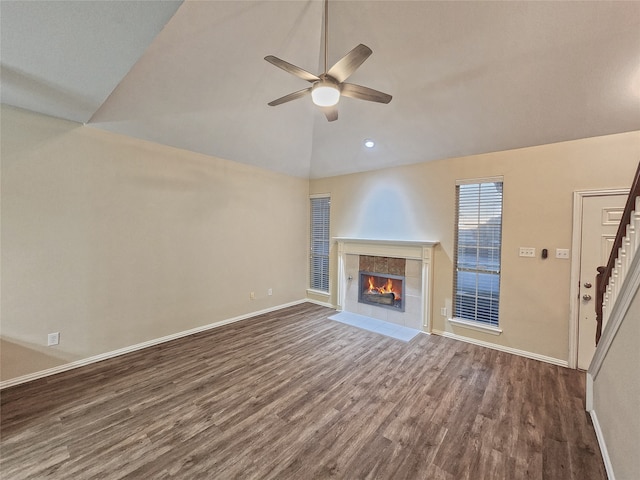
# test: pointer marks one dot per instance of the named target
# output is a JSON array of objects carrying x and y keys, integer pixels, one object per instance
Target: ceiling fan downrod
[{"x": 326, "y": 35}]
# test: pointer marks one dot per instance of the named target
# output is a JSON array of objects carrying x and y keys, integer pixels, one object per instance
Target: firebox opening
[{"x": 382, "y": 290}]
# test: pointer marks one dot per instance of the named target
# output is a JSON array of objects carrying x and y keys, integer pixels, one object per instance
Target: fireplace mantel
[
  {"x": 409, "y": 249},
  {"x": 412, "y": 249}
]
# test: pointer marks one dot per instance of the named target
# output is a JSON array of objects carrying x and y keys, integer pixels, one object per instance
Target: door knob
[
  {"x": 586, "y": 297},
  {"x": 587, "y": 285}
]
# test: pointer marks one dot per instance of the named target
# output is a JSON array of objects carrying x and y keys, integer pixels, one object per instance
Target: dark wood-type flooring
[{"x": 293, "y": 395}]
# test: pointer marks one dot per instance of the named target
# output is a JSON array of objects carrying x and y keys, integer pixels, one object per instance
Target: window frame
[
  {"x": 473, "y": 321},
  {"x": 324, "y": 277}
]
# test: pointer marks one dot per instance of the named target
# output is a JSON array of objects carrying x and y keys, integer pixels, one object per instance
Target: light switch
[{"x": 527, "y": 251}]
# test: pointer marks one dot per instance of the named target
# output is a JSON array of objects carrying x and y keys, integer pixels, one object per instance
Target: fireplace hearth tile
[
  {"x": 414, "y": 269},
  {"x": 368, "y": 310},
  {"x": 392, "y": 330},
  {"x": 380, "y": 265},
  {"x": 397, "y": 266},
  {"x": 412, "y": 305},
  {"x": 412, "y": 286},
  {"x": 352, "y": 262},
  {"x": 366, "y": 263}
]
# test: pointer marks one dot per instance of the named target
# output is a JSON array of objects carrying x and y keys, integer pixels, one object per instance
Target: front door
[{"x": 600, "y": 219}]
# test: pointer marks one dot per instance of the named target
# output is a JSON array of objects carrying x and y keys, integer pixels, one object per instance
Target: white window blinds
[
  {"x": 477, "y": 251},
  {"x": 319, "y": 242}
]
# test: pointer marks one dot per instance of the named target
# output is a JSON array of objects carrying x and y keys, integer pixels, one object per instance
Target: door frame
[{"x": 576, "y": 253}]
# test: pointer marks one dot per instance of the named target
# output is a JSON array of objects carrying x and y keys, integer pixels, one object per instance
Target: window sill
[
  {"x": 318, "y": 292},
  {"x": 480, "y": 327}
]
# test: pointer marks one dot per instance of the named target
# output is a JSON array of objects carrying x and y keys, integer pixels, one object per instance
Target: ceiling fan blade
[
  {"x": 349, "y": 63},
  {"x": 364, "y": 93},
  {"x": 330, "y": 112},
  {"x": 292, "y": 69},
  {"x": 291, "y": 96}
]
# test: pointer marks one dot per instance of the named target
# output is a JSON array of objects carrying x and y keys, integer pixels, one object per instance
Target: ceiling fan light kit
[
  {"x": 325, "y": 94},
  {"x": 330, "y": 85}
]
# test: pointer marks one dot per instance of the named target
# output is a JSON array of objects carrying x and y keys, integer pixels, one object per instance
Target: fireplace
[
  {"x": 381, "y": 281},
  {"x": 382, "y": 290},
  {"x": 406, "y": 260}
]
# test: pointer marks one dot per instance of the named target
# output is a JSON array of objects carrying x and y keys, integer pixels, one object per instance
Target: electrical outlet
[
  {"x": 562, "y": 253},
  {"x": 270, "y": 291},
  {"x": 53, "y": 339},
  {"x": 252, "y": 295},
  {"x": 443, "y": 311},
  {"x": 527, "y": 252}
]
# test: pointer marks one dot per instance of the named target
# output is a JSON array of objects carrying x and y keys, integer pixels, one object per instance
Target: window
[
  {"x": 478, "y": 239},
  {"x": 319, "y": 244}
]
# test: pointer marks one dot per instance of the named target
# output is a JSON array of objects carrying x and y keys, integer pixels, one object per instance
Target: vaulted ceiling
[{"x": 466, "y": 77}]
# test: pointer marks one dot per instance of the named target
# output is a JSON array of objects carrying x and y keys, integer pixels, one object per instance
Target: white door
[{"x": 600, "y": 219}]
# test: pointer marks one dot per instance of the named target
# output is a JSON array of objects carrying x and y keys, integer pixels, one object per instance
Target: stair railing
[{"x": 627, "y": 244}]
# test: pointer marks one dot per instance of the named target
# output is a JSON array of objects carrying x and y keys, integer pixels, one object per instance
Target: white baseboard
[
  {"x": 603, "y": 446},
  {"x": 322, "y": 304},
  {"x": 150, "y": 343},
  {"x": 515, "y": 351}
]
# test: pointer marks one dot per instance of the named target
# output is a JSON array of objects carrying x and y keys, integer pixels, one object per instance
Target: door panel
[{"x": 600, "y": 218}]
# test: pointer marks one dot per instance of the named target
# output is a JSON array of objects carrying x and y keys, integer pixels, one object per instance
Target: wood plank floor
[{"x": 293, "y": 395}]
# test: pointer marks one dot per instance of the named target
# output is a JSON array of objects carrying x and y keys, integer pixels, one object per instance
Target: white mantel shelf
[
  {"x": 414, "y": 249},
  {"x": 409, "y": 249},
  {"x": 384, "y": 242}
]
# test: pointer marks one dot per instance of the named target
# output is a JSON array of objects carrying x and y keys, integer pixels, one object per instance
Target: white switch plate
[
  {"x": 53, "y": 339},
  {"x": 270, "y": 291},
  {"x": 443, "y": 311},
  {"x": 562, "y": 253},
  {"x": 527, "y": 251}
]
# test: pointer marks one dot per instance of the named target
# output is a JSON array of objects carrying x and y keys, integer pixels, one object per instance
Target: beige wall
[
  {"x": 616, "y": 396},
  {"x": 418, "y": 202},
  {"x": 112, "y": 241}
]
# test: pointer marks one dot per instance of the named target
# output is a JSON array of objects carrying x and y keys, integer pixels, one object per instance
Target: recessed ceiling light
[{"x": 369, "y": 143}]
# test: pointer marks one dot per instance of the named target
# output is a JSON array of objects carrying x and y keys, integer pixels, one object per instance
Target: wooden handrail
[
  {"x": 604, "y": 273},
  {"x": 599, "y": 301}
]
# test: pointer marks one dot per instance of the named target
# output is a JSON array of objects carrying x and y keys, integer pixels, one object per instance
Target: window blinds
[
  {"x": 477, "y": 251},
  {"x": 319, "y": 243}
]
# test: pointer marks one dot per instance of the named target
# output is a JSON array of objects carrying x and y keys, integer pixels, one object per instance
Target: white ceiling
[
  {"x": 65, "y": 58},
  {"x": 466, "y": 77}
]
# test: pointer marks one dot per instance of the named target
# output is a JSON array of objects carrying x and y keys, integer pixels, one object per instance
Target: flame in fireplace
[{"x": 388, "y": 287}]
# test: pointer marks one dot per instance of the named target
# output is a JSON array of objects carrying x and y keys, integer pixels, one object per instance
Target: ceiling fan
[{"x": 328, "y": 86}]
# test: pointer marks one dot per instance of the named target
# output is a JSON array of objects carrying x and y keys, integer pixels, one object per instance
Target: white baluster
[
  {"x": 605, "y": 305},
  {"x": 635, "y": 222},
  {"x": 626, "y": 248},
  {"x": 611, "y": 297},
  {"x": 614, "y": 286},
  {"x": 621, "y": 272},
  {"x": 621, "y": 262},
  {"x": 631, "y": 239}
]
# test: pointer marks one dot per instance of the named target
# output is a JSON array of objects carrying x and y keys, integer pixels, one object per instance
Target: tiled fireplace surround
[{"x": 418, "y": 279}]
